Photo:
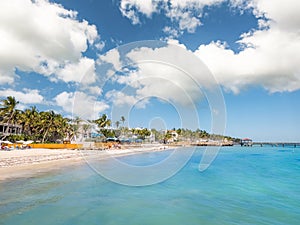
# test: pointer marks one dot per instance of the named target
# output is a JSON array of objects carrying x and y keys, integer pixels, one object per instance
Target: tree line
[
  {"x": 43, "y": 126},
  {"x": 48, "y": 126}
]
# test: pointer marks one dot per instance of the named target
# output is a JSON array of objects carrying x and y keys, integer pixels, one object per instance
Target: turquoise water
[{"x": 242, "y": 186}]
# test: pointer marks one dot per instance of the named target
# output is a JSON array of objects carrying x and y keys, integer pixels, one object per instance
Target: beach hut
[{"x": 246, "y": 142}]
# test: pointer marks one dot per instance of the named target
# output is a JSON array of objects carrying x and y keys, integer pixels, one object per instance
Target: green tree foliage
[
  {"x": 8, "y": 111},
  {"x": 142, "y": 133},
  {"x": 103, "y": 123},
  {"x": 48, "y": 126}
]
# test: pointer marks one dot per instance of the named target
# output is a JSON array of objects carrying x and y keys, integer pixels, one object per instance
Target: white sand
[{"x": 29, "y": 162}]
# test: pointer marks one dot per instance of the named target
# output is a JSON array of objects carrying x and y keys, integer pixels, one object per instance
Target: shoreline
[{"x": 32, "y": 162}]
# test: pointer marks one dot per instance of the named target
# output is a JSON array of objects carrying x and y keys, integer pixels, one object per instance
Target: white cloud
[
  {"x": 100, "y": 45},
  {"x": 170, "y": 73},
  {"x": 171, "y": 32},
  {"x": 81, "y": 72},
  {"x": 94, "y": 90},
  {"x": 285, "y": 14},
  {"x": 40, "y": 36},
  {"x": 192, "y": 3},
  {"x": 185, "y": 19},
  {"x": 6, "y": 77},
  {"x": 120, "y": 98},
  {"x": 80, "y": 104},
  {"x": 112, "y": 57},
  {"x": 130, "y": 9},
  {"x": 27, "y": 96},
  {"x": 270, "y": 57},
  {"x": 186, "y": 14},
  {"x": 188, "y": 22},
  {"x": 176, "y": 42}
]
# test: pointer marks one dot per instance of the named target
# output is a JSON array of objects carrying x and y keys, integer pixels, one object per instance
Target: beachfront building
[
  {"x": 7, "y": 129},
  {"x": 246, "y": 142},
  {"x": 171, "y": 136},
  {"x": 84, "y": 131}
]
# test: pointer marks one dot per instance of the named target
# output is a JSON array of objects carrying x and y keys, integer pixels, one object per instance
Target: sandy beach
[{"x": 31, "y": 162}]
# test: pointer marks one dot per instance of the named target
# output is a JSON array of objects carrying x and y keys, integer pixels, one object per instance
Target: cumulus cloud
[
  {"x": 186, "y": 19},
  {"x": 112, "y": 57},
  {"x": 82, "y": 71},
  {"x": 26, "y": 96},
  {"x": 284, "y": 14},
  {"x": 40, "y": 36},
  {"x": 131, "y": 9},
  {"x": 170, "y": 73},
  {"x": 186, "y": 14},
  {"x": 94, "y": 90},
  {"x": 121, "y": 98},
  {"x": 80, "y": 104},
  {"x": 269, "y": 56},
  {"x": 171, "y": 32}
]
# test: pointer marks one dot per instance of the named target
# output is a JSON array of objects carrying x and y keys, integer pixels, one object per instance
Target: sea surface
[{"x": 258, "y": 185}]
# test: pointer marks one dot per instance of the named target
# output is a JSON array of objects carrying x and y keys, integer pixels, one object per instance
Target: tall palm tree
[
  {"x": 103, "y": 121},
  {"x": 48, "y": 123},
  {"x": 8, "y": 112},
  {"x": 75, "y": 125},
  {"x": 8, "y": 109},
  {"x": 60, "y": 129},
  {"x": 86, "y": 128},
  {"x": 123, "y": 128},
  {"x": 117, "y": 124},
  {"x": 122, "y": 120},
  {"x": 29, "y": 120},
  {"x": 69, "y": 130}
]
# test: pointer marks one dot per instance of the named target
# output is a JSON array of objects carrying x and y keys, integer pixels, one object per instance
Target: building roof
[{"x": 247, "y": 139}]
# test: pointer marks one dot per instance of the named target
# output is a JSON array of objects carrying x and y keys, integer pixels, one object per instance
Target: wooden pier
[{"x": 277, "y": 144}]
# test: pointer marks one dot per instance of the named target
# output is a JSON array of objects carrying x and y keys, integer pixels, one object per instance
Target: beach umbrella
[
  {"x": 28, "y": 142},
  {"x": 20, "y": 142},
  {"x": 6, "y": 142}
]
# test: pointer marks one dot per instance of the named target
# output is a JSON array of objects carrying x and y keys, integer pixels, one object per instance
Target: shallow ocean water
[{"x": 242, "y": 186}]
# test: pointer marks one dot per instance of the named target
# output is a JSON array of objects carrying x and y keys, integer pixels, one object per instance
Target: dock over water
[{"x": 277, "y": 144}]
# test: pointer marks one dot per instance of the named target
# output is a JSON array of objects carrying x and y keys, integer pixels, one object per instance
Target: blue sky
[{"x": 91, "y": 57}]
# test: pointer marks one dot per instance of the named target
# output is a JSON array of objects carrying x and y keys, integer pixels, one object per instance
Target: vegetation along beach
[{"x": 152, "y": 112}]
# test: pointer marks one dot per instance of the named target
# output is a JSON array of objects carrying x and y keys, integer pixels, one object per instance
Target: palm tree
[
  {"x": 29, "y": 120},
  {"x": 8, "y": 109},
  {"x": 117, "y": 124},
  {"x": 8, "y": 112},
  {"x": 123, "y": 130},
  {"x": 103, "y": 122},
  {"x": 54, "y": 126},
  {"x": 86, "y": 127},
  {"x": 48, "y": 123},
  {"x": 75, "y": 126},
  {"x": 122, "y": 120},
  {"x": 143, "y": 133},
  {"x": 69, "y": 131}
]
